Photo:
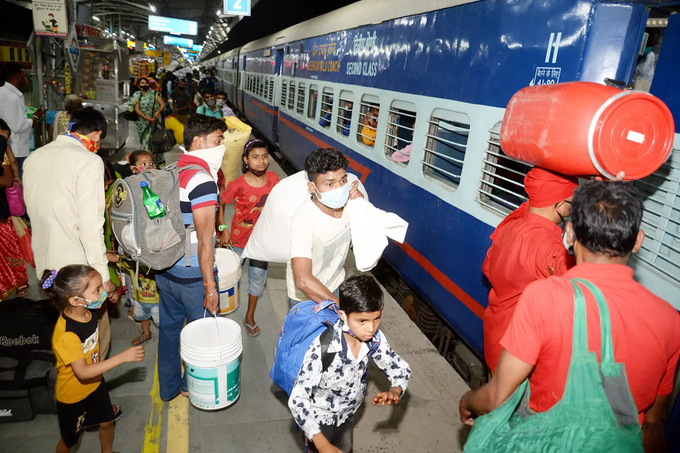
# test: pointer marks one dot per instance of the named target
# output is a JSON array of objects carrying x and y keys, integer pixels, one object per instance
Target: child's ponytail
[{"x": 69, "y": 281}]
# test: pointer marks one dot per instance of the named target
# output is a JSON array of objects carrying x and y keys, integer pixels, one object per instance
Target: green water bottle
[{"x": 152, "y": 202}]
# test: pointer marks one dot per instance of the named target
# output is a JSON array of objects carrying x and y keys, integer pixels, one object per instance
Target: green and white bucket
[{"x": 211, "y": 349}]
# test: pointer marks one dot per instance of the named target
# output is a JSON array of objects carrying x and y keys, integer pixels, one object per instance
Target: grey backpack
[{"x": 155, "y": 243}]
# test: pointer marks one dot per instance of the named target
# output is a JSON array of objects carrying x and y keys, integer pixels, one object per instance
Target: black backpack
[{"x": 27, "y": 364}]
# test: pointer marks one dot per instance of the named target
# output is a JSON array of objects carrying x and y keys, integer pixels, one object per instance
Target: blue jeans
[
  {"x": 257, "y": 274},
  {"x": 20, "y": 163},
  {"x": 178, "y": 301}
]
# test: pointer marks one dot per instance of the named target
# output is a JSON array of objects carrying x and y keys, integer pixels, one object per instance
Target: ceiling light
[
  {"x": 211, "y": 28},
  {"x": 153, "y": 8},
  {"x": 96, "y": 18},
  {"x": 219, "y": 12}
]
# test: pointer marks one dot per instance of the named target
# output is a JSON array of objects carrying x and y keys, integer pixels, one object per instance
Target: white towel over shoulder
[{"x": 370, "y": 227}]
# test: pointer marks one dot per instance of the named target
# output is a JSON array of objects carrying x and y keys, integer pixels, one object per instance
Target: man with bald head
[{"x": 527, "y": 246}]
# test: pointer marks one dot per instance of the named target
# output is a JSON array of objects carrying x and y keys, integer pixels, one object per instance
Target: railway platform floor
[{"x": 426, "y": 420}]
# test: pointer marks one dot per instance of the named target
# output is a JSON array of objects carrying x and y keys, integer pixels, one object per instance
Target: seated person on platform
[
  {"x": 645, "y": 329},
  {"x": 320, "y": 235},
  {"x": 323, "y": 403},
  {"x": 370, "y": 126}
]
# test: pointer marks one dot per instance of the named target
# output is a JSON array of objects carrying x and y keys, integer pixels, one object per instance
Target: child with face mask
[
  {"x": 140, "y": 287},
  {"x": 323, "y": 403},
  {"x": 82, "y": 398},
  {"x": 249, "y": 194},
  {"x": 221, "y": 97}
]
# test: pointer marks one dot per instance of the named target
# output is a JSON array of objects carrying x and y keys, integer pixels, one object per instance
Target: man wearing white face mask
[
  {"x": 320, "y": 234},
  {"x": 186, "y": 290}
]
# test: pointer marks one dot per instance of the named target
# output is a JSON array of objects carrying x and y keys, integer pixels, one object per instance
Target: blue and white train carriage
[{"x": 440, "y": 74}]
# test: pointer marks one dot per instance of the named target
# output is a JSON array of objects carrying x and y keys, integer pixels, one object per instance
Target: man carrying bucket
[
  {"x": 189, "y": 287},
  {"x": 527, "y": 246}
]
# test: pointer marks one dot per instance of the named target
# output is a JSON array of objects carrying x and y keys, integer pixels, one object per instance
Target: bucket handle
[
  {"x": 217, "y": 326},
  {"x": 239, "y": 260}
]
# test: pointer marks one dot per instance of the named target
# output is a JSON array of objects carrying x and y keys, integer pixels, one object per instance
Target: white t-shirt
[{"x": 323, "y": 239}]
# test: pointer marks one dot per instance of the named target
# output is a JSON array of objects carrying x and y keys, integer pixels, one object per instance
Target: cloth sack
[
  {"x": 235, "y": 139},
  {"x": 173, "y": 124},
  {"x": 270, "y": 239},
  {"x": 370, "y": 227}
]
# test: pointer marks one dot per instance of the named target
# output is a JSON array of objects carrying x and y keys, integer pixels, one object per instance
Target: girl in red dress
[{"x": 249, "y": 193}]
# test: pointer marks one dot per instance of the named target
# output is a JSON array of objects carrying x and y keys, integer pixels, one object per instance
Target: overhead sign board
[
  {"x": 174, "y": 41},
  {"x": 197, "y": 48},
  {"x": 49, "y": 18},
  {"x": 171, "y": 25},
  {"x": 237, "y": 7}
]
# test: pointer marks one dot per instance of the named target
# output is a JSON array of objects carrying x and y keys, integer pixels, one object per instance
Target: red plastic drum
[{"x": 583, "y": 128}]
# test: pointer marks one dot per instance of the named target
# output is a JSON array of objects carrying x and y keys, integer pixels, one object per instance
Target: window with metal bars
[
  {"x": 447, "y": 138},
  {"x": 367, "y": 127},
  {"x": 661, "y": 218},
  {"x": 401, "y": 122},
  {"x": 344, "y": 124},
  {"x": 284, "y": 93},
  {"x": 301, "y": 99},
  {"x": 266, "y": 88},
  {"x": 260, "y": 85},
  {"x": 291, "y": 96},
  {"x": 312, "y": 102},
  {"x": 326, "y": 107},
  {"x": 271, "y": 90},
  {"x": 502, "y": 185}
]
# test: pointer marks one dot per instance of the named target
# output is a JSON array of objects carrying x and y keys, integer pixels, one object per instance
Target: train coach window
[
  {"x": 502, "y": 185},
  {"x": 311, "y": 103},
  {"x": 284, "y": 93},
  {"x": 266, "y": 88},
  {"x": 661, "y": 218},
  {"x": 291, "y": 96},
  {"x": 369, "y": 109},
  {"x": 260, "y": 85},
  {"x": 344, "y": 123},
  {"x": 326, "y": 108},
  {"x": 400, "y": 124},
  {"x": 447, "y": 138},
  {"x": 271, "y": 90},
  {"x": 301, "y": 99}
]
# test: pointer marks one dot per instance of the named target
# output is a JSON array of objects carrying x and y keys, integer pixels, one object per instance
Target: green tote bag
[{"x": 596, "y": 413}]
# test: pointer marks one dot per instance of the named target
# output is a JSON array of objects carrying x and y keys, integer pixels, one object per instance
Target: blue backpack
[{"x": 304, "y": 322}]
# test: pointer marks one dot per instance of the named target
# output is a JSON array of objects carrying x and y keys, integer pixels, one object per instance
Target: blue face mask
[
  {"x": 94, "y": 304},
  {"x": 336, "y": 198}
]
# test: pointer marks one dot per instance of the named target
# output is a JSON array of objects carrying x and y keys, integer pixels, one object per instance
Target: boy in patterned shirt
[{"x": 324, "y": 402}]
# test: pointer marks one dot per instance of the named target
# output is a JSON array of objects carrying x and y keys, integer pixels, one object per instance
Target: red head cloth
[{"x": 545, "y": 188}]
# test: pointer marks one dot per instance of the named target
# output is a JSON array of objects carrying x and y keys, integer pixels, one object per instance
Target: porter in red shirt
[{"x": 526, "y": 247}]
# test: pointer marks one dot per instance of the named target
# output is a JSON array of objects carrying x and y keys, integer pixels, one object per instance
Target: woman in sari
[
  {"x": 148, "y": 104},
  {"x": 15, "y": 238}
]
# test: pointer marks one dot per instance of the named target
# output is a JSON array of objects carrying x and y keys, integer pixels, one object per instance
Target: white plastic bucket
[
  {"x": 211, "y": 349},
  {"x": 229, "y": 275}
]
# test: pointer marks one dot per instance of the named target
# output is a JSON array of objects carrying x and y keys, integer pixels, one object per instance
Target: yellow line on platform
[
  {"x": 178, "y": 426},
  {"x": 152, "y": 430}
]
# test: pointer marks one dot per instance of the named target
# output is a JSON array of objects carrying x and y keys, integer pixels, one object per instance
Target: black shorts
[
  {"x": 341, "y": 437},
  {"x": 93, "y": 410}
]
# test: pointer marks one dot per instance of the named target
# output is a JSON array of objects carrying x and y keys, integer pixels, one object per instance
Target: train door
[
  {"x": 277, "y": 94},
  {"x": 242, "y": 104},
  {"x": 233, "y": 66}
]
